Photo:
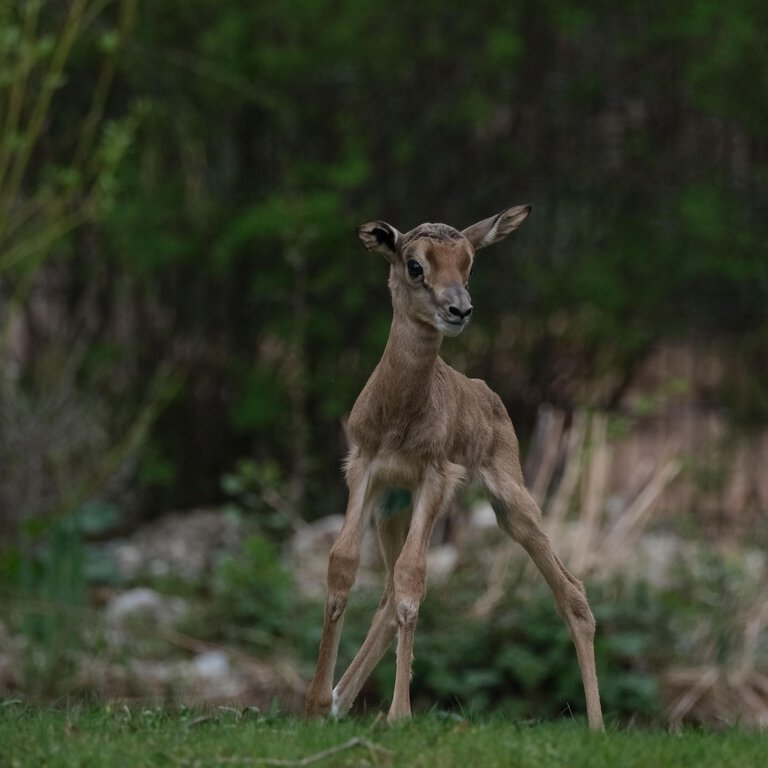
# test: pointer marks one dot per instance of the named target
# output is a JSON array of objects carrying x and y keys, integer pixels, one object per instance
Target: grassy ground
[{"x": 115, "y": 736}]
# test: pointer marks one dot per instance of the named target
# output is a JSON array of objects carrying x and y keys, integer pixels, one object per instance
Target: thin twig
[
  {"x": 18, "y": 88},
  {"x": 309, "y": 759},
  {"x": 318, "y": 756},
  {"x": 50, "y": 82},
  {"x": 105, "y": 77}
]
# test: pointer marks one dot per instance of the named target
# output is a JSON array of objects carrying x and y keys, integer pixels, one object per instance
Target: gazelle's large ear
[
  {"x": 497, "y": 227},
  {"x": 379, "y": 237}
]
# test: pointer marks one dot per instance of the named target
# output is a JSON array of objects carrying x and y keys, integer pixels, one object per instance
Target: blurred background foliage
[
  {"x": 186, "y": 315},
  {"x": 181, "y": 182}
]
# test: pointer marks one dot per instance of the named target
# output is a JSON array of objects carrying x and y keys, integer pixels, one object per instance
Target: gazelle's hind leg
[
  {"x": 520, "y": 517},
  {"x": 392, "y": 531},
  {"x": 410, "y": 572}
]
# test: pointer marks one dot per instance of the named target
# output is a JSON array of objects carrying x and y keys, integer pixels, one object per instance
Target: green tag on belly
[{"x": 394, "y": 500}]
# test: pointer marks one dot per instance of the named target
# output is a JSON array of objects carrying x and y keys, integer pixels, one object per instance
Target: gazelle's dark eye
[{"x": 415, "y": 270}]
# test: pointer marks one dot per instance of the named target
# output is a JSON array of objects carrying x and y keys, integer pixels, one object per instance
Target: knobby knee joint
[
  {"x": 336, "y": 605},
  {"x": 407, "y": 613},
  {"x": 575, "y": 609}
]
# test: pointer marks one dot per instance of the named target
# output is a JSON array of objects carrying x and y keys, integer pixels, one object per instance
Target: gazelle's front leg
[
  {"x": 410, "y": 578},
  {"x": 342, "y": 570},
  {"x": 392, "y": 533}
]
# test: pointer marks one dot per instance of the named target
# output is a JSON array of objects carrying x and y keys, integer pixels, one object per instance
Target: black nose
[{"x": 458, "y": 312}]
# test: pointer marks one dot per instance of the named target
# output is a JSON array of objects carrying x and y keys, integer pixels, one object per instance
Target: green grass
[{"x": 112, "y": 735}]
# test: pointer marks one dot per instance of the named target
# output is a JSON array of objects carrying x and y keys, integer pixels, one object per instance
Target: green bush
[
  {"x": 45, "y": 577},
  {"x": 251, "y": 594},
  {"x": 521, "y": 657},
  {"x": 517, "y": 658}
]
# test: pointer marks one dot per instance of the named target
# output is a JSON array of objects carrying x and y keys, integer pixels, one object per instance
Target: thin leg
[
  {"x": 342, "y": 570},
  {"x": 520, "y": 517},
  {"x": 392, "y": 532},
  {"x": 410, "y": 580}
]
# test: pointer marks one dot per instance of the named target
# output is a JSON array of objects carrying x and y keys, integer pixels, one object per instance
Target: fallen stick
[
  {"x": 309, "y": 759},
  {"x": 318, "y": 756}
]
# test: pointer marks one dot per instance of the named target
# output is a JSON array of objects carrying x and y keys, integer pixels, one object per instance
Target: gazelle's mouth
[{"x": 452, "y": 327}]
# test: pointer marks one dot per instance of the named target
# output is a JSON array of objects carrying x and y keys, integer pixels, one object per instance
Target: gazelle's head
[{"x": 431, "y": 265}]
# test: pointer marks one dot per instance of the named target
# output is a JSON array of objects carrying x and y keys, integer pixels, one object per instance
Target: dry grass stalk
[
  {"x": 713, "y": 695},
  {"x": 561, "y": 501},
  {"x": 593, "y": 498},
  {"x": 635, "y": 517},
  {"x": 497, "y": 577},
  {"x": 549, "y": 433},
  {"x": 753, "y": 630}
]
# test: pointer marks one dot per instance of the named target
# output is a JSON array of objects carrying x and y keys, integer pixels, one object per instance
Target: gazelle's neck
[
  {"x": 390, "y": 411},
  {"x": 411, "y": 353}
]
